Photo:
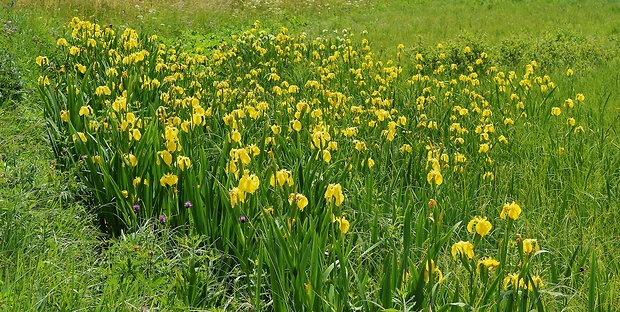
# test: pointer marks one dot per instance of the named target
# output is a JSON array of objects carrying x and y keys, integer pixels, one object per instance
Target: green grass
[{"x": 53, "y": 256}]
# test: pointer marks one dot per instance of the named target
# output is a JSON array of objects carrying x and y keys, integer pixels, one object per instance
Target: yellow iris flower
[
  {"x": 463, "y": 248},
  {"x": 434, "y": 176},
  {"x": 166, "y": 156},
  {"x": 512, "y": 210},
  {"x": 282, "y": 177},
  {"x": 135, "y": 134},
  {"x": 132, "y": 160},
  {"x": 103, "y": 90},
  {"x": 513, "y": 280},
  {"x": 64, "y": 115},
  {"x": 168, "y": 179},
  {"x": 249, "y": 182},
  {"x": 233, "y": 196},
  {"x": 80, "y": 135},
  {"x": 488, "y": 263},
  {"x": 580, "y": 97},
  {"x": 484, "y": 147},
  {"x": 334, "y": 191},
  {"x": 502, "y": 139},
  {"x": 297, "y": 125},
  {"x": 432, "y": 269},
  {"x": 85, "y": 110},
  {"x": 300, "y": 199},
  {"x": 235, "y": 136},
  {"x": 359, "y": 145},
  {"x": 327, "y": 156},
  {"x": 183, "y": 162},
  {"x": 530, "y": 246},
  {"x": 371, "y": 162},
  {"x": 480, "y": 225},
  {"x": 406, "y": 148},
  {"x": 42, "y": 60},
  {"x": 343, "y": 224},
  {"x": 62, "y": 42}
]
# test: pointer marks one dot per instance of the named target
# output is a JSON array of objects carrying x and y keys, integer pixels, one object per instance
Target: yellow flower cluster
[
  {"x": 238, "y": 116},
  {"x": 463, "y": 251}
]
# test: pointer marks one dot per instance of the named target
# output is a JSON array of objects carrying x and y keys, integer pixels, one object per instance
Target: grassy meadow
[{"x": 319, "y": 155}]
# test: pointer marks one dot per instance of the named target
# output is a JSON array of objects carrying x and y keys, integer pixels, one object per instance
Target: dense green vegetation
[{"x": 62, "y": 249}]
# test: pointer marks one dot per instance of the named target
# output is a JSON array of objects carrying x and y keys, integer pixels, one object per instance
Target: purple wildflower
[
  {"x": 242, "y": 219},
  {"x": 188, "y": 204},
  {"x": 162, "y": 219},
  {"x": 136, "y": 208}
]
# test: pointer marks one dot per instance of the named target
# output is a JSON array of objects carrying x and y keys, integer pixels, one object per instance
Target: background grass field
[{"x": 53, "y": 256}]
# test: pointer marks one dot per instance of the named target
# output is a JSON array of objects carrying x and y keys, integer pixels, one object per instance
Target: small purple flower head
[
  {"x": 136, "y": 208},
  {"x": 188, "y": 204},
  {"x": 162, "y": 219},
  {"x": 242, "y": 219}
]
